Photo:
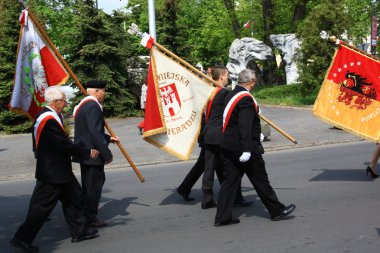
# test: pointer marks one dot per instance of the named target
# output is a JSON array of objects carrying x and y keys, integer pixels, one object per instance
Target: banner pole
[
  {"x": 80, "y": 86},
  {"x": 278, "y": 129},
  {"x": 183, "y": 62},
  {"x": 209, "y": 79}
]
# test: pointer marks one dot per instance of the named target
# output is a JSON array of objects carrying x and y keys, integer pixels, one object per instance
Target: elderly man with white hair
[
  {"x": 55, "y": 179},
  {"x": 242, "y": 153}
]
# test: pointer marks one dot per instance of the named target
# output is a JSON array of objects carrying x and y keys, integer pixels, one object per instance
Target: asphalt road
[{"x": 337, "y": 209}]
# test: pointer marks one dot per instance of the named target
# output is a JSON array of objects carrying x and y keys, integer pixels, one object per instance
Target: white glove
[
  {"x": 262, "y": 137},
  {"x": 245, "y": 157}
]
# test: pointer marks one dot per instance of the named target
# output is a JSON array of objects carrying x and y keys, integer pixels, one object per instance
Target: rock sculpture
[
  {"x": 289, "y": 45},
  {"x": 244, "y": 50}
]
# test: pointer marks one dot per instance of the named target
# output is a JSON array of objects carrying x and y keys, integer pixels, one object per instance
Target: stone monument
[
  {"x": 244, "y": 50},
  {"x": 289, "y": 45}
]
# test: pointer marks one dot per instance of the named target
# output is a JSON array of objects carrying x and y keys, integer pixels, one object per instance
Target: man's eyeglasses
[{"x": 63, "y": 100}]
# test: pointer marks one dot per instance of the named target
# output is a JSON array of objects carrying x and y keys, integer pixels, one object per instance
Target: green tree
[
  {"x": 316, "y": 53},
  {"x": 167, "y": 25},
  {"x": 208, "y": 35},
  {"x": 57, "y": 18},
  {"x": 360, "y": 14},
  {"x": 101, "y": 52}
]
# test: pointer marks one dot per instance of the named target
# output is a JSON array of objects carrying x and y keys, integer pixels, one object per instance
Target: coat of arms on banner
[{"x": 171, "y": 103}]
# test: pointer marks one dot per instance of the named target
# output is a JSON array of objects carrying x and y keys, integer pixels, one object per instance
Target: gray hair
[
  {"x": 246, "y": 75},
  {"x": 53, "y": 93}
]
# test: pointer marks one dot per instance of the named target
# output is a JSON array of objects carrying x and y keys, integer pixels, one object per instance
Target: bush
[{"x": 12, "y": 123}]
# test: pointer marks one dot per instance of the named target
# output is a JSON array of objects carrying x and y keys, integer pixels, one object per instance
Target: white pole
[{"x": 152, "y": 19}]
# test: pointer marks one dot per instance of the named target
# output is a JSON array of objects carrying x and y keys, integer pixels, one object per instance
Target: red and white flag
[
  {"x": 176, "y": 99},
  {"x": 248, "y": 24},
  {"x": 37, "y": 68},
  {"x": 147, "y": 40}
]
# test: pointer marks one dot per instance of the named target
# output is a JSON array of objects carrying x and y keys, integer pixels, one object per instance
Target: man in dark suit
[
  {"x": 212, "y": 137},
  {"x": 242, "y": 152},
  {"x": 89, "y": 132},
  {"x": 55, "y": 179},
  {"x": 196, "y": 171}
]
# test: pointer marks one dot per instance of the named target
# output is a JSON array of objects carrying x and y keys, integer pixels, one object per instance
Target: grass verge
[{"x": 288, "y": 95}]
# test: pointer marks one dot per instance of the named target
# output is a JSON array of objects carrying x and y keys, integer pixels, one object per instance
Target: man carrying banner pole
[
  {"x": 89, "y": 132},
  {"x": 55, "y": 179},
  {"x": 57, "y": 59},
  {"x": 212, "y": 137},
  {"x": 242, "y": 153}
]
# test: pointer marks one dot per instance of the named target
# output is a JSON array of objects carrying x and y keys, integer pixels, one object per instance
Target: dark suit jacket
[
  {"x": 89, "y": 133},
  {"x": 54, "y": 153},
  {"x": 242, "y": 133},
  {"x": 214, "y": 124}
]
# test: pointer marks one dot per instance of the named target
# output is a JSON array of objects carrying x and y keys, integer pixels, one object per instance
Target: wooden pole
[
  {"x": 215, "y": 83},
  {"x": 180, "y": 60},
  {"x": 278, "y": 129},
  {"x": 78, "y": 83}
]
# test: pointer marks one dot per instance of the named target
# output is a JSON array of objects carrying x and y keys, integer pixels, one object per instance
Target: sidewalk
[{"x": 17, "y": 159}]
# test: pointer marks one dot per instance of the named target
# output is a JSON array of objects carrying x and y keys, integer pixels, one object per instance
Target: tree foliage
[
  {"x": 101, "y": 53},
  {"x": 360, "y": 13},
  {"x": 316, "y": 52}
]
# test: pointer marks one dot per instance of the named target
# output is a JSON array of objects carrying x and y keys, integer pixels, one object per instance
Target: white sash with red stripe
[
  {"x": 209, "y": 104},
  {"x": 232, "y": 103},
  {"x": 86, "y": 99},
  {"x": 41, "y": 121}
]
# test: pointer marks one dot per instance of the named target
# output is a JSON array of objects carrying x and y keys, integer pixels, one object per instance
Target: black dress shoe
[
  {"x": 225, "y": 223},
  {"x": 287, "y": 211},
  {"x": 185, "y": 196},
  {"x": 23, "y": 245},
  {"x": 90, "y": 233},
  {"x": 242, "y": 203},
  {"x": 208, "y": 205}
]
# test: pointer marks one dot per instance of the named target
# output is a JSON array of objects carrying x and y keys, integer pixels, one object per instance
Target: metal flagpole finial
[{"x": 134, "y": 30}]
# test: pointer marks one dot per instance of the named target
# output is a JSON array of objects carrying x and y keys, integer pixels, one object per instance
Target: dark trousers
[
  {"x": 93, "y": 178},
  {"x": 194, "y": 174},
  {"x": 256, "y": 173},
  {"x": 44, "y": 198},
  {"x": 214, "y": 163}
]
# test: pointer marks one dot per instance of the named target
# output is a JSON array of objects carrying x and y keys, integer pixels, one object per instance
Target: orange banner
[{"x": 350, "y": 94}]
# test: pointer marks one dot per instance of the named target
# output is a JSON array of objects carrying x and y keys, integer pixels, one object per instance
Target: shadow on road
[{"x": 341, "y": 175}]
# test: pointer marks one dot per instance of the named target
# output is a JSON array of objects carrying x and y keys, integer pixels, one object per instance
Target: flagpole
[
  {"x": 278, "y": 129},
  {"x": 183, "y": 62},
  {"x": 211, "y": 80},
  {"x": 78, "y": 83}
]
